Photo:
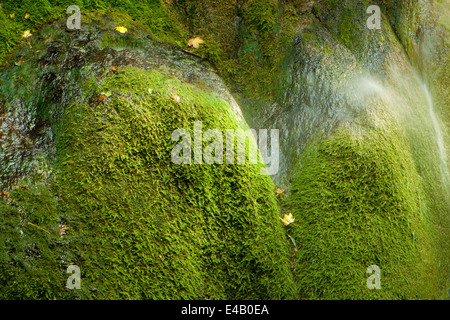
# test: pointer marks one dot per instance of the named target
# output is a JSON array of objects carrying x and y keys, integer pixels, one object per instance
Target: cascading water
[
  {"x": 439, "y": 137},
  {"x": 408, "y": 97}
]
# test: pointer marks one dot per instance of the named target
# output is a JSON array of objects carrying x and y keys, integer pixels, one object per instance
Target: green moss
[
  {"x": 141, "y": 227},
  {"x": 348, "y": 29},
  {"x": 150, "y": 13},
  {"x": 357, "y": 199},
  {"x": 260, "y": 15},
  {"x": 184, "y": 231},
  {"x": 31, "y": 259}
]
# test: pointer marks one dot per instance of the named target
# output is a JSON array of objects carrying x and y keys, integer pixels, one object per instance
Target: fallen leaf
[
  {"x": 121, "y": 29},
  {"x": 62, "y": 229},
  {"x": 195, "y": 42},
  {"x": 113, "y": 68},
  {"x": 27, "y": 15},
  {"x": 101, "y": 97},
  {"x": 293, "y": 241},
  {"x": 175, "y": 97},
  {"x": 27, "y": 34},
  {"x": 11, "y": 15},
  {"x": 287, "y": 219}
]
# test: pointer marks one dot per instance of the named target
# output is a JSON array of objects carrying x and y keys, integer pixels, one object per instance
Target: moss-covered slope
[
  {"x": 357, "y": 197},
  {"x": 140, "y": 226},
  {"x": 88, "y": 116}
]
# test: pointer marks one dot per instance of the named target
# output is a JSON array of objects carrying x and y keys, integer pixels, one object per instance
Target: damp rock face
[
  {"x": 87, "y": 177},
  {"x": 96, "y": 109},
  {"x": 358, "y": 140}
]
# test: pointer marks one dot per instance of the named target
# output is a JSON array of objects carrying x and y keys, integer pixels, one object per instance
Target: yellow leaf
[
  {"x": 62, "y": 229},
  {"x": 287, "y": 219},
  {"x": 27, "y": 15},
  {"x": 195, "y": 42},
  {"x": 279, "y": 191},
  {"x": 175, "y": 97},
  {"x": 11, "y": 15},
  {"x": 27, "y": 34},
  {"x": 121, "y": 29}
]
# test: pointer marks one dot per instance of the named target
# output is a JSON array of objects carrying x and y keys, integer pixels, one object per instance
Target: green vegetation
[
  {"x": 356, "y": 197},
  {"x": 29, "y": 242},
  {"x": 141, "y": 227},
  {"x": 188, "y": 231},
  {"x": 150, "y": 13},
  {"x": 260, "y": 16}
]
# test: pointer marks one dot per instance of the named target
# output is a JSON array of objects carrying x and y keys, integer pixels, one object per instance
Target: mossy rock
[
  {"x": 357, "y": 199},
  {"x": 97, "y": 119},
  {"x": 140, "y": 226}
]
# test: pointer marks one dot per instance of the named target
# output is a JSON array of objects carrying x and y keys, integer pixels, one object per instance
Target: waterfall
[{"x": 439, "y": 137}]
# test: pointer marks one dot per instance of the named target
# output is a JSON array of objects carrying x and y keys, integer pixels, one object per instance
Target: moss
[
  {"x": 31, "y": 259},
  {"x": 348, "y": 29},
  {"x": 196, "y": 234},
  {"x": 151, "y": 13},
  {"x": 356, "y": 198},
  {"x": 153, "y": 229},
  {"x": 260, "y": 15}
]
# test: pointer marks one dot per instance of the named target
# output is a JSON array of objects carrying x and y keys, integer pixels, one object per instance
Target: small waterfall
[
  {"x": 439, "y": 137},
  {"x": 367, "y": 87}
]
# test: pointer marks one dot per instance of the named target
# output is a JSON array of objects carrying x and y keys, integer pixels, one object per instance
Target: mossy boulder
[
  {"x": 87, "y": 118},
  {"x": 140, "y": 226}
]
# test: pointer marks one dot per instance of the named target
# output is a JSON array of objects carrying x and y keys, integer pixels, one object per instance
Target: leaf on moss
[
  {"x": 27, "y": 34},
  {"x": 293, "y": 241},
  {"x": 287, "y": 219},
  {"x": 195, "y": 42},
  {"x": 278, "y": 191},
  {"x": 105, "y": 93},
  {"x": 121, "y": 29},
  {"x": 62, "y": 229},
  {"x": 27, "y": 15}
]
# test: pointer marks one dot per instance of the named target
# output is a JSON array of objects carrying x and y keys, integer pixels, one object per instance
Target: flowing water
[
  {"x": 408, "y": 97},
  {"x": 439, "y": 137}
]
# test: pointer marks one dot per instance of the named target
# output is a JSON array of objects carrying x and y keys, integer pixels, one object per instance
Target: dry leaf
[
  {"x": 175, "y": 97},
  {"x": 27, "y": 34},
  {"x": 195, "y": 42},
  {"x": 11, "y": 15},
  {"x": 287, "y": 219},
  {"x": 27, "y": 15},
  {"x": 62, "y": 229},
  {"x": 121, "y": 29}
]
